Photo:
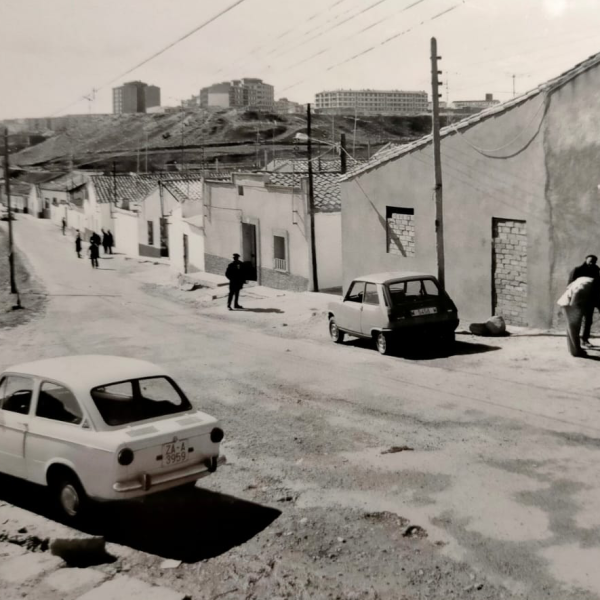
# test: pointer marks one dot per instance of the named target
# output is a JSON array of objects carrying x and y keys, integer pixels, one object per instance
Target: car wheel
[
  {"x": 70, "y": 497},
  {"x": 336, "y": 335},
  {"x": 383, "y": 343}
]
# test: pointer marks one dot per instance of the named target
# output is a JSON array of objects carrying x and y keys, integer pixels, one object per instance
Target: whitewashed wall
[
  {"x": 328, "y": 235},
  {"x": 125, "y": 231}
]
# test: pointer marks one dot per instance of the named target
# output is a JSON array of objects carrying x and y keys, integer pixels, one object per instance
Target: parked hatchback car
[
  {"x": 392, "y": 306},
  {"x": 102, "y": 427}
]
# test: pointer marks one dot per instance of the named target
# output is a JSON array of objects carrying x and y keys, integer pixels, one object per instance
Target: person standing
[
  {"x": 104, "y": 241},
  {"x": 589, "y": 268},
  {"x": 576, "y": 300},
  {"x": 94, "y": 251},
  {"x": 78, "y": 244},
  {"x": 64, "y": 226},
  {"x": 111, "y": 241},
  {"x": 237, "y": 279}
]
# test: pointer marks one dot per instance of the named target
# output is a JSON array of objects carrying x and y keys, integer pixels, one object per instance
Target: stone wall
[
  {"x": 400, "y": 231},
  {"x": 216, "y": 264},
  {"x": 509, "y": 264},
  {"x": 283, "y": 281}
]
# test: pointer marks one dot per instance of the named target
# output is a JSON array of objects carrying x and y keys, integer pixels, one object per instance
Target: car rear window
[
  {"x": 136, "y": 400},
  {"x": 413, "y": 290}
]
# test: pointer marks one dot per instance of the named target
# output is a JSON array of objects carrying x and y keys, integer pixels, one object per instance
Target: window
[
  {"x": 150, "y": 233},
  {"x": 59, "y": 404},
  {"x": 356, "y": 292},
  {"x": 280, "y": 252},
  {"x": 15, "y": 394},
  {"x": 412, "y": 291},
  {"x": 240, "y": 190},
  {"x": 371, "y": 296},
  {"x": 139, "y": 399},
  {"x": 400, "y": 231}
]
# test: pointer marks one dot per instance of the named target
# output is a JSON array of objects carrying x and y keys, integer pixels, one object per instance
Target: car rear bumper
[
  {"x": 147, "y": 483},
  {"x": 418, "y": 327}
]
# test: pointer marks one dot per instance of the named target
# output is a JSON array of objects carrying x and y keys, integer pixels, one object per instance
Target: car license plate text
[
  {"x": 174, "y": 453},
  {"x": 424, "y": 311}
]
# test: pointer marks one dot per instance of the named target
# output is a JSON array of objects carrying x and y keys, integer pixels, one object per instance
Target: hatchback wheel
[
  {"x": 70, "y": 497},
  {"x": 336, "y": 335},
  {"x": 383, "y": 343}
]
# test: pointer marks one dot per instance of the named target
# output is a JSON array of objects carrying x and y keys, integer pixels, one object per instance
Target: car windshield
[
  {"x": 413, "y": 290},
  {"x": 135, "y": 400}
]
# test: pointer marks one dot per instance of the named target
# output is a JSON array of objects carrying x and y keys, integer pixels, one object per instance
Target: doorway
[
  {"x": 164, "y": 237},
  {"x": 186, "y": 255},
  {"x": 249, "y": 250}
]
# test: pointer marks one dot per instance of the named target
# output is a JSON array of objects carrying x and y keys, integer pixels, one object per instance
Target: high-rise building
[
  {"x": 135, "y": 97},
  {"x": 377, "y": 102},
  {"x": 238, "y": 93}
]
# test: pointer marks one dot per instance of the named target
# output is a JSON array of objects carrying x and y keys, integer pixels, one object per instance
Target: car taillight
[
  {"x": 216, "y": 435},
  {"x": 125, "y": 457}
]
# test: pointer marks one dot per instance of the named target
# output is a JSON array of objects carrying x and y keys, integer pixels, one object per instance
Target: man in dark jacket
[
  {"x": 78, "y": 244},
  {"x": 104, "y": 241},
  {"x": 94, "y": 251},
  {"x": 588, "y": 269},
  {"x": 235, "y": 274}
]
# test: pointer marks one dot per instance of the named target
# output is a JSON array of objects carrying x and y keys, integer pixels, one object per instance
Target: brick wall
[
  {"x": 400, "y": 231},
  {"x": 509, "y": 263},
  {"x": 283, "y": 281}
]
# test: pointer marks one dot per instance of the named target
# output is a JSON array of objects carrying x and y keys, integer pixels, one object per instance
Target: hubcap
[
  {"x": 381, "y": 343},
  {"x": 69, "y": 499}
]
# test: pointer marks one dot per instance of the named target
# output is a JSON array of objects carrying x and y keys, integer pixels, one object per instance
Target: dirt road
[{"x": 494, "y": 496}]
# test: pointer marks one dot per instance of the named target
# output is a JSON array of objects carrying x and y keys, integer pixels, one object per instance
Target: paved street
[{"x": 501, "y": 474}]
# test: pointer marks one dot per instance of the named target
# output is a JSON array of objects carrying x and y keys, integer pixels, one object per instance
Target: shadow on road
[
  {"x": 264, "y": 310},
  {"x": 187, "y": 524},
  {"x": 427, "y": 351}
]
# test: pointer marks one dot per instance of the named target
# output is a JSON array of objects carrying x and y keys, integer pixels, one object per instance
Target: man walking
[
  {"x": 576, "y": 300},
  {"x": 111, "y": 241},
  {"x": 64, "y": 226},
  {"x": 589, "y": 268},
  {"x": 78, "y": 244},
  {"x": 94, "y": 251},
  {"x": 235, "y": 274},
  {"x": 104, "y": 241}
]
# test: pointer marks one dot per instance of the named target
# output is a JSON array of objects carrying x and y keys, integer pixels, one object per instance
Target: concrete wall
[
  {"x": 328, "y": 235},
  {"x": 477, "y": 189},
  {"x": 573, "y": 163},
  {"x": 125, "y": 231},
  {"x": 274, "y": 211},
  {"x": 76, "y": 219}
]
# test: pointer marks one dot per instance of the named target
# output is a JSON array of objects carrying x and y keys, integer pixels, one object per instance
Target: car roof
[
  {"x": 390, "y": 276},
  {"x": 88, "y": 371}
]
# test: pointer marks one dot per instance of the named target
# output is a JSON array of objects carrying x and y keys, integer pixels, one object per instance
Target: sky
[{"x": 53, "y": 53}]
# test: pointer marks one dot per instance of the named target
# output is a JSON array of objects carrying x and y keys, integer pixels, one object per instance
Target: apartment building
[
  {"x": 371, "y": 102},
  {"x": 476, "y": 104},
  {"x": 250, "y": 92},
  {"x": 135, "y": 97}
]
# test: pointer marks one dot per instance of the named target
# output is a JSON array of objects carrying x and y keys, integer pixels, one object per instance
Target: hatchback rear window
[
  {"x": 413, "y": 290},
  {"x": 139, "y": 399}
]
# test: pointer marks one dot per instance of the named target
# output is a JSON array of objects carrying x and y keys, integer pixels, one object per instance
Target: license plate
[
  {"x": 174, "y": 453},
  {"x": 423, "y": 311}
]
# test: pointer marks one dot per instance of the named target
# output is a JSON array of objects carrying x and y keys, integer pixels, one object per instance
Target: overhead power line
[{"x": 163, "y": 50}]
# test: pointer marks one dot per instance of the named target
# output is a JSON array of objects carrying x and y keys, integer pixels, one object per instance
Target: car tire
[
  {"x": 70, "y": 498},
  {"x": 334, "y": 332},
  {"x": 382, "y": 342}
]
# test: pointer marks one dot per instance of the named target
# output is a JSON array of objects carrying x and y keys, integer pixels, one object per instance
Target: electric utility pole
[
  {"x": 439, "y": 213},
  {"x": 343, "y": 154},
  {"x": 11, "y": 258},
  {"x": 311, "y": 203}
]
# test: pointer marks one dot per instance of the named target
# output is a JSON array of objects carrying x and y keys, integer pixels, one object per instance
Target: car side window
[
  {"x": 57, "y": 403},
  {"x": 16, "y": 393},
  {"x": 371, "y": 296},
  {"x": 356, "y": 292},
  {"x": 431, "y": 289}
]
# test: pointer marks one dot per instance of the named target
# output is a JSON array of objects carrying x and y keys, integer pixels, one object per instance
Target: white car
[{"x": 102, "y": 427}]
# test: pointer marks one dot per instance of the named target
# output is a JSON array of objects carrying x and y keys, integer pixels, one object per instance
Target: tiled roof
[
  {"x": 326, "y": 188},
  {"x": 325, "y": 165},
  {"x": 131, "y": 187},
  {"x": 188, "y": 189},
  {"x": 18, "y": 189},
  {"x": 66, "y": 182},
  {"x": 36, "y": 177},
  {"x": 386, "y": 155}
]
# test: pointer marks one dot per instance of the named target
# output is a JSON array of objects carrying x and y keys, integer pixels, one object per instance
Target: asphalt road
[{"x": 502, "y": 476}]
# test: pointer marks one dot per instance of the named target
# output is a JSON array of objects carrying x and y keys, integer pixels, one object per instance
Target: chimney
[{"x": 489, "y": 97}]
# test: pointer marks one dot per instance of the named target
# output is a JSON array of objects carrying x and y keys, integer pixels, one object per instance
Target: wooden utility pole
[
  {"x": 11, "y": 258},
  {"x": 343, "y": 154},
  {"x": 437, "y": 157},
  {"x": 311, "y": 204}
]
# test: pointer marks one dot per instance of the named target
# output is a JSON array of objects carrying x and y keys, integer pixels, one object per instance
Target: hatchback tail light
[{"x": 216, "y": 435}]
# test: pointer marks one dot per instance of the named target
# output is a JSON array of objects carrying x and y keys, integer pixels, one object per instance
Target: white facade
[
  {"x": 328, "y": 237},
  {"x": 125, "y": 231},
  {"x": 371, "y": 101}
]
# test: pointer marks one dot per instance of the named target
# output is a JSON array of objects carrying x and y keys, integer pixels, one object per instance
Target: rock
[
  {"x": 495, "y": 326},
  {"x": 341, "y": 540},
  {"x": 170, "y": 564},
  {"x": 303, "y": 520},
  {"x": 395, "y": 449},
  {"x": 81, "y": 552},
  {"x": 414, "y": 531}
]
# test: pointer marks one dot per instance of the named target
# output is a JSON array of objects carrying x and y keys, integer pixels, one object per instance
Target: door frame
[
  {"x": 256, "y": 222},
  {"x": 186, "y": 253}
]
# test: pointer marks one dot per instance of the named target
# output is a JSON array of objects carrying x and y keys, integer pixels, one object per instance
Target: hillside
[{"x": 235, "y": 137}]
